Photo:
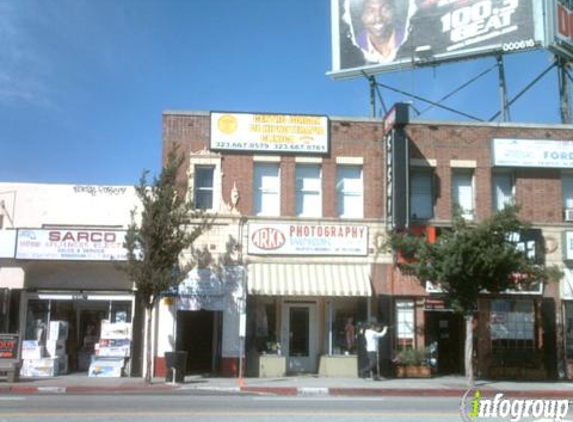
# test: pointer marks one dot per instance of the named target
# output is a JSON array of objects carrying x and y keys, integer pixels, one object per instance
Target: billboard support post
[
  {"x": 503, "y": 89},
  {"x": 565, "y": 105},
  {"x": 372, "y": 81}
]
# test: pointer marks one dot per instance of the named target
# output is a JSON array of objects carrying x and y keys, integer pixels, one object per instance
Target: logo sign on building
[
  {"x": 568, "y": 246},
  {"x": 272, "y": 133},
  {"x": 307, "y": 239},
  {"x": 71, "y": 245},
  {"x": 537, "y": 153},
  {"x": 409, "y": 33}
]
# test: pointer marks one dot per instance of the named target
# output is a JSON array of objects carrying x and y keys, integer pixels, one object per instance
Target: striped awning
[{"x": 335, "y": 280}]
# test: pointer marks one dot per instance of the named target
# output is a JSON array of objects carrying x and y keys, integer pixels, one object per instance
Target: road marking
[{"x": 12, "y": 398}]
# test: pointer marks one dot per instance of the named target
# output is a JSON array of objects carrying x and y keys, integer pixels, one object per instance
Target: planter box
[
  {"x": 413, "y": 371},
  {"x": 271, "y": 366},
  {"x": 338, "y": 366}
]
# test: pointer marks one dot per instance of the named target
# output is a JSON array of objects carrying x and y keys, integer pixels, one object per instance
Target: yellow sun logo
[{"x": 227, "y": 124}]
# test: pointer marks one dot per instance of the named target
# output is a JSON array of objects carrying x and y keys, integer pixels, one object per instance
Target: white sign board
[
  {"x": 274, "y": 133},
  {"x": 536, "y": 153},
  {"x": 307, "y": 239},
  {"x": 71, "y": 245}
]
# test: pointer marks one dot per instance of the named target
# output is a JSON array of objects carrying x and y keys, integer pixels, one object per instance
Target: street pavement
[{"x": 307, "y": 385}]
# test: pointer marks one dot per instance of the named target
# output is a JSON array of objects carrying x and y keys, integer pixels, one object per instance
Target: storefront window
[
  {"x": 262, "y": 335},
  {"x": 405, "y": 324},
  {"x": 345, "y": 317},
  {"x": 512, "y": 325}
]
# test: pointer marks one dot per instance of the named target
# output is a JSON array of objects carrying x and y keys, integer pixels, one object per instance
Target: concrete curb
[{"x": 281, "y": 391}]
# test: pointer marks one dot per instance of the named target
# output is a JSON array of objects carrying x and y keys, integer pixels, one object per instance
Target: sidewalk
[{"x": 447, "y": 386}]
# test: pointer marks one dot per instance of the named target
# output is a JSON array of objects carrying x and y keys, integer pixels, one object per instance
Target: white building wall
[{"x": 34, "y": 205}]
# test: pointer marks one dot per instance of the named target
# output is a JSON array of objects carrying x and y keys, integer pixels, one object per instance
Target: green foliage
[
  {"x": 411, "y": 356},
  {"x": 167, "y": 226},
  {"x": 469, "y": 259}
]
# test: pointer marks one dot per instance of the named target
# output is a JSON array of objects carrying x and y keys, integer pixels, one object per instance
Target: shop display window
[
  {"x": 512, "y": 325},
  {"x": 345, "y": 326},
  {"x": 262, "y": 333},
  {"x": 405, "y": 324}
]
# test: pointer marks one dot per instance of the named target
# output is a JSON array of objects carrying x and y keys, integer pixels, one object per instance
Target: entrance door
[
  {"x": 299, "y": 337},
  {"x": 446, "y": 331},
  {"x": 197, "y": 334}
]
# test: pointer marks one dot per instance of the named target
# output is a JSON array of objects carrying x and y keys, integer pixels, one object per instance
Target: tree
[
  {"x": 469, "y": 260},
  {"x": 168, "y": 225}
]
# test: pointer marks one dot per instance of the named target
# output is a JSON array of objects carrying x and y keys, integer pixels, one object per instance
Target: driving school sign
[
  {"x": 274, "y": 133},
  {"x": 307, "y": 239}
]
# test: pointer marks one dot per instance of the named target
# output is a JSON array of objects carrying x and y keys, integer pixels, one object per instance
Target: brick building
[{"x": 306, "y": 225}]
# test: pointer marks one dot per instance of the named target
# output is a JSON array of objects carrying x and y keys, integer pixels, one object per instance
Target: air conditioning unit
[{"x": 568, "y": 214}]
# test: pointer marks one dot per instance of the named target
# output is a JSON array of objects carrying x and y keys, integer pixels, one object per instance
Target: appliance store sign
[
  {"x": 72, "y": 245},
  {"x": 537, "y": 153},
  {"x": 307, "y": 239}
]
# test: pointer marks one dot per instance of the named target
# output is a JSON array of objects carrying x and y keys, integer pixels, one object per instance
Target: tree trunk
[
  {"x": 469, "y": 351},
  {"x": 148, "y": 348}
]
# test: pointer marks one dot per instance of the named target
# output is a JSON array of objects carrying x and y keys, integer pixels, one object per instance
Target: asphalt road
[{"x": 235, "y": 408}]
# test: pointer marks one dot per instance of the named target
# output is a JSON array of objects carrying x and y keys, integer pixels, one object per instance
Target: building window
[
  {"x": 203, "y": 188},
  {"x": 266, "y": 189},
  {"x": 308, "y": 191},
  {"x": 502, "y": 190},
  {"x": 405, "y": 324},
  {"x": 567, "y": 191},
  {"x": 512, "y": 326},
  {"x": 349, "y": 192},
  {"x": 421, "y": 195},
  {"x": 463, "y": 192}
]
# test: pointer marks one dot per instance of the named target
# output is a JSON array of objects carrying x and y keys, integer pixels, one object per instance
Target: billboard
[
  {"x": 273, "y": 133},
  {"x": 560, "y": 26},
  {"x": 376, "y": 36}
]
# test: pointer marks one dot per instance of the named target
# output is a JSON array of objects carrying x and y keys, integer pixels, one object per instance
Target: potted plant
[{"x": 413, "y": 363}]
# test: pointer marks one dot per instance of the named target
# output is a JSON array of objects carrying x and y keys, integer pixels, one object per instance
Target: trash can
[{"x": 175, "y": 362}]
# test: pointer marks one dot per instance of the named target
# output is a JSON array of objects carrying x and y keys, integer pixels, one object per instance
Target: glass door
[{"x": 299, "y": 337}]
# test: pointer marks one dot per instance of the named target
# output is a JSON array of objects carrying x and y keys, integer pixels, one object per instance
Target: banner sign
[
  {"x": 71, "y": 245},
  {"x": 384, "y": 35},
  {"x": 560, "y": 26},
  {"x": 9, "y": 346},
  {"x": 307, "y": 239},
  {"x": 537, "y": 153},
  {"x": 274, "y": 133}
]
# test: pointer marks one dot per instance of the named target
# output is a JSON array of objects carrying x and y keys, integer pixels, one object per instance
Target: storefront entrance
[
  {"x": 199, "y": 334},
  {"x": 299, "y": 336},
  {"x": 444, "y": 335}
]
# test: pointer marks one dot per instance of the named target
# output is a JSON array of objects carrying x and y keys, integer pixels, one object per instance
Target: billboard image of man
[
  {"x": 382, "y": 36},
  {"x": 389, "y": 35}
]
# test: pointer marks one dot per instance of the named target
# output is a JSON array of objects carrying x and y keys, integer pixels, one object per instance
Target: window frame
[
  {"x": 342, "y": 194},
  {"x": 197, "y": 190},
  {"x": 259, "y": 190},
  {"x": 469, "y": 213},
  {"x": 430, "y": 173},
  {"x": 302, "y": 191},
  {"x": 496, "y": 176}
]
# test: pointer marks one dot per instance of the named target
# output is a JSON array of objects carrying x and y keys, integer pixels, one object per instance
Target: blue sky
[{"x": 83, "y": 83}]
